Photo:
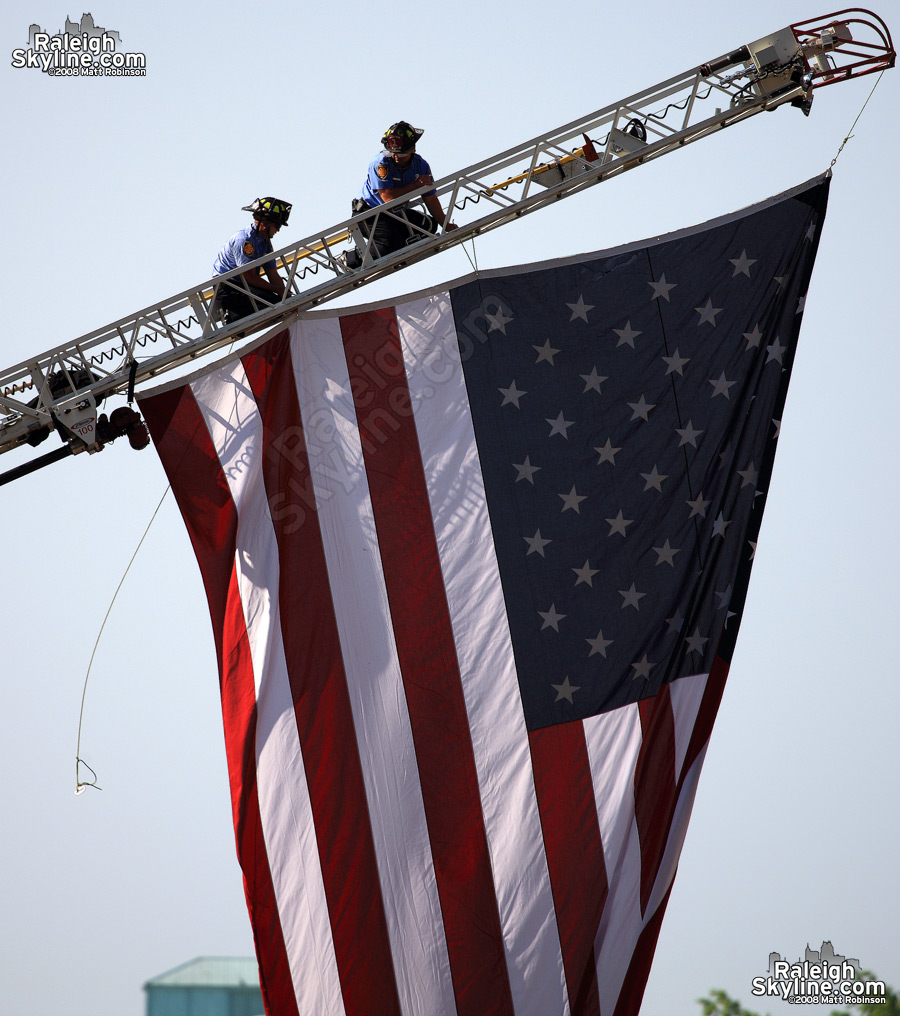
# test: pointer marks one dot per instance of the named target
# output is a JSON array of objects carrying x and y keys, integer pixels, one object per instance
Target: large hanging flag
[{"x": 476, "y": 564}]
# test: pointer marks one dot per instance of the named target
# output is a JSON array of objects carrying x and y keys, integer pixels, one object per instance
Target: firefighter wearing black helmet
[
  {"x": 264, "y": 285},
  {"x": 395, "y": 171}
]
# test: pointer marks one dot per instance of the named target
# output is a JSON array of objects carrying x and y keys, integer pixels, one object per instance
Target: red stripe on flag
[
  {"x": 321, "y": 701},
  {"x": 204, "y": 499},
  {"x": 565, "y": 793},
  {"x": 632, "y": 991},
  {"x": 428, "y": 663},
  {"x": 201, "y": 490},
  {"x": 655, "y": 792}
]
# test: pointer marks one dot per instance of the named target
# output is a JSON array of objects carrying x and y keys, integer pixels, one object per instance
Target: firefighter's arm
[
  {"x": 436, "y": 211},
  {"x": 389, "y": 193},
  {"x": 271, "y": 280}
]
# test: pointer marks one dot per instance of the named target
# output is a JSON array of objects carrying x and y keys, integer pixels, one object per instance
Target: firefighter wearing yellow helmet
[{"x": 261, "y": 285}]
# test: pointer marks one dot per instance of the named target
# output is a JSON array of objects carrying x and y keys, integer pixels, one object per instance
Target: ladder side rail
[
  {"x": 594, "y": 121},
  {"x": 182, "y": 301},
  {"x": 400, "y": 259},
  {"x": 575, "y": 127},
  {"x": 450, "y": 183},
  {"x": 89, "y": 339},
  {"x": 190, "y": 349}
]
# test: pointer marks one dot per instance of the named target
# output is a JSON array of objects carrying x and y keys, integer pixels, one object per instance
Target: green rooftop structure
[{"x": 207, "y": 986}]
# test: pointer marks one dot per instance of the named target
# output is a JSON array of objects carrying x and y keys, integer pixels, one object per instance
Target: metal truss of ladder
[{"x": 60, "y": 389}]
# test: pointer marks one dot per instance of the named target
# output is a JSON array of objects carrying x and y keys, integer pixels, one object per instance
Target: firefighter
[
  {"x": 255, "y": 241},
  {"x": 395, "y": 171}
]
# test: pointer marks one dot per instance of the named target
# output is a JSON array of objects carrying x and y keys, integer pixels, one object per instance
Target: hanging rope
[
  {"x": 473, "y": 263},
  {"x": 81, "y": 784},
  {"x": 856, "y": 121}
]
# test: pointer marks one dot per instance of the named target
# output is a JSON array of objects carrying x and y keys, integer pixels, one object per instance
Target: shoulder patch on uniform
[
  {"x": 382, "y": 170},
  {"x": 248, "y": 247}
]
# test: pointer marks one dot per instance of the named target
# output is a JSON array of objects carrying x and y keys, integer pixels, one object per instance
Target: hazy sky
[{"x": 118, "y": 192}]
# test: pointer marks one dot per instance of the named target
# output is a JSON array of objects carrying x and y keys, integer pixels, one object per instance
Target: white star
[
  {"x": 777, "y": 433},
  {"x": 497, "y": 322},
  {"x": 572, "y": 500},
  {"x": 720, "y": 525},
  {"x": 641, "y": 409},
  {"x": 749, "y": 476},
  {"x": 335, "y": 392},
  {"x": 775, "y": 351},
  {"x": 753, "y": 338},
  {"x": 801, "y": 305},
  {"x": 593, "y": 381},
  {"x": 674, "y": 623},
  {"x": 688, "y": 435},
  {"x": 676, "y": 363},
  {"x": 607, "y": 453},
  {"x": 551, "y": 618},
  {"x": 708, "y": 313},
  {"x": 721, "y": 386},
  {"x": 724, "y": 598},
  {"x": 511, "y": 395},
  {"x": 559, "y": 426},
  {"x": 661, "y": 288},
  {"x": 526, "y": 470},
  {"x": 585, "y": 574},
  {"x": 546, "y": 353},
  {"x": 752, "y": 549},
  {"x": 742, "y": 264},
  {"x": 696, "y": 642},
  {"x": 654, "y": 479},
  {"x": 779, "y": 280},
  {"x": 630, "y": 597},
  {"x": 535, "y": 543},
  {"x": 565, "y": 691},
  {"x": 599, "y": 644},
  {"x": 641, "y": 668},
  {"x": 627, "y": 335},
  {"x": 619, "y": 524},
  {"x": 698, "y": 506},
  {"x": 666, "y": 554},
  {"x": 580, "y": 309},
  {"x": 811, "y": 232}
]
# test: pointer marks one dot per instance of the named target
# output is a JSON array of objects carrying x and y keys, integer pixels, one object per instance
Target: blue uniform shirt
[
  {"x": 245, "y": 246},
  {"x": 385, "y": 173}
]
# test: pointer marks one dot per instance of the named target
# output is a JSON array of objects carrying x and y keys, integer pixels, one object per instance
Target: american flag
[{"x": 476, "y": 563}]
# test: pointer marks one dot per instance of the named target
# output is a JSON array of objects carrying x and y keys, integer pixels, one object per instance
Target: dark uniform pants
[
  {"x": 236, "y": 302},
  {"x": 391, "y": 233}
]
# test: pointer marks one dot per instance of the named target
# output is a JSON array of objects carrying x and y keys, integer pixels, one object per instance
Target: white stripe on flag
[
  {"x": 613, "y": 743},
  {"x": 484, "y": 651},
  {"x": 677, "y": 834},
  {"x": 375, "y": 684},
  {"x": 227, "y": 406}
]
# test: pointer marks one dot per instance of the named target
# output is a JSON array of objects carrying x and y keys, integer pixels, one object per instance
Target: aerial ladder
[{"x": 62, "y": 390}]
